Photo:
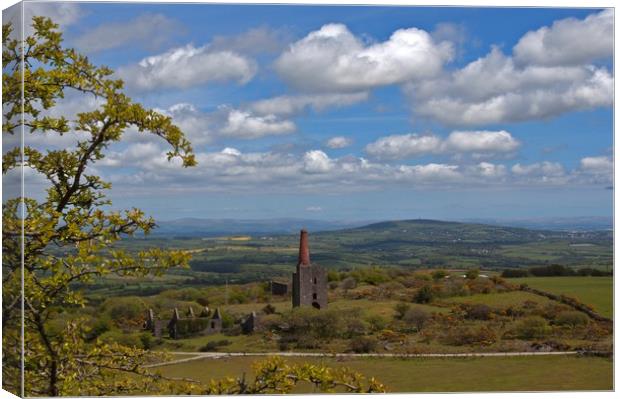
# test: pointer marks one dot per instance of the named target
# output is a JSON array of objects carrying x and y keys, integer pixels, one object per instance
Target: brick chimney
[{"x": 304, "y": 252}]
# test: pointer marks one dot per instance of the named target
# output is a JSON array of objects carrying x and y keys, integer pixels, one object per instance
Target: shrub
[
  {"x": 227, "y": 320},
  {"x": 508, "y": 273},
  {"x": 355, "y": 327},
  {"x": 363, "y": 344},
  {"x": 478, "y": 312},
  {"x": 533, "y": 327},
  {"x": 125, "y": 310},
  {"x": 422, "y": 277},
  {"x": 333, "y": 275},
  {"x": 463, "y": 335},
  {"x": 588, "y": 271},
  {"x": 269, "y": 309},
  {"x": 392, "y": 336},
  {"x": 416, "y": 316},
  {"x": 456, "y": 287},
  {"x": 371, "y": 275},
  {"x": 401, "y": 308},
  {"x": 572, "y": 319},
  {"x": 480, "y": 285},
  {"x": 147, "y": 340},
  {"x": 377, "y": 323},
  {"x": 127, "y": 339},
  {"x": 100, "y": 325},
  {"x": 551, "y": 270},
  {"x": 348, "y": 283},
  {"x": 203, "y": 301},
  {"x": 472, "y": 274},
  {"x": 424, "y": 294},
  {"x": 308, "y": 327},
  {"x": 212, "y": 346},
  {"x": 439, "y": 274}
]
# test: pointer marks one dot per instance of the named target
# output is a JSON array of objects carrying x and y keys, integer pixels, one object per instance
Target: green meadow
[
  {"x": 594, "y": 291},
  {"x": 438, "y": 375}
]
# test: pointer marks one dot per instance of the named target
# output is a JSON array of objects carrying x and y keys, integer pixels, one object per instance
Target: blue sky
[{"x": 356, "y": 113}]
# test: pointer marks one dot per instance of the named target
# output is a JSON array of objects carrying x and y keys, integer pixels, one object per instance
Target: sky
[{"x": 354, "y": 113}]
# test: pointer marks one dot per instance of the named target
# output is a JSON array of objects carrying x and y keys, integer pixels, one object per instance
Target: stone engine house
[{"x": 310, "y": 280}]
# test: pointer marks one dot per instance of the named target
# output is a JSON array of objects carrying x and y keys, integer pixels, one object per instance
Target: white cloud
[
  {"x": 231, "y": 170},
  {"x": 541, "y": 172},
  {"x": 487, "y": 169},
  {"x": 569, "y": 41},
  {"x": 339, "y": 142},
  {"x": 290, "y": 105},
  {"x": 540, "y": 168},
  {"x": 314, "y": 209},
  {"x": 433, "y": 172},
  {"x": 197, "y": 126},
  {"x": 188, "y": 66},
  {"x": 317, "y": 161},
  {"x": 206, "y": 127},
  {"x": 481, "y": 142},
  {"x": 404, "y": 146},
  {"x": 597, "y": 170},
  {"x": 597, "y": 164},
  {"x": 347, "y": 64},
  {"x": 147, "y": 30},
  {"x": 243, "y": 124},
  {"x": 493, "y": 89},
  {"x": 476, "y": 143}
]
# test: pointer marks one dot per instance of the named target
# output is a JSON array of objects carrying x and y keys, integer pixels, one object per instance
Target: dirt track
[{"x": 219, "y": 355}]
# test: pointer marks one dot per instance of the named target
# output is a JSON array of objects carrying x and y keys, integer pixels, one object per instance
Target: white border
[{"x": 463, "y": 3}]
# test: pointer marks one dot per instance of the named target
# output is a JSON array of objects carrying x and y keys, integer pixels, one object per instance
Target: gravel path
[{"x": 219, "y": 355}]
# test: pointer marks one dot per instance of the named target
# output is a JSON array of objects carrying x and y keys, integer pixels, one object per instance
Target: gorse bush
[
  {"x": 424, "y": 294},
  {"x": 532, "y": 327},
  {"x": 478, "y": 312},
  {"x": 572, "y": 319},
  {"x": 363, "y": 344},
  {"x": 308, "y": 327},
  {"x": 416, "y": 317},
  {"x": 467, "y": 335},
  {"x": 401, "y": 308}
]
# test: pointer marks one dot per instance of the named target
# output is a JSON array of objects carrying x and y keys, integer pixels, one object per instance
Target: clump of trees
[
  {"x": 307, "y": 327},
  {"x": 554, "y": 270}
]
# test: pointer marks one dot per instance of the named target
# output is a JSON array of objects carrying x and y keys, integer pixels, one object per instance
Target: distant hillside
[
  {"x": 422, "y": 231},
  {"x": 196, "y": 227},
  {"x": 582, "y": 223},
  {"x": 270, "y": 249}
]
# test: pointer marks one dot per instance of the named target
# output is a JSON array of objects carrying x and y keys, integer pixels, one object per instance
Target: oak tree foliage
[{"x": 68, "y": 237}]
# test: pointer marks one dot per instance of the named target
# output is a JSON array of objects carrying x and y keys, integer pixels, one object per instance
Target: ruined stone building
[
  {"x": 187, "y": 325},
  {"x": 279, "y": 287},
  {"x": 310, "y": 280},
  {"x": 250, "y": 323}
]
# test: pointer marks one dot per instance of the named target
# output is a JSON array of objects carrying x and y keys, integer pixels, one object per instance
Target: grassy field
[
  {"x": 594, "y": 291},
  {"x": 545, "y": 373},
  {"x": 504, "y": 299}
]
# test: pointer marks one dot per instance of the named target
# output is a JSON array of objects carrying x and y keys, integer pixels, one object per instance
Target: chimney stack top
[{"x": 304, "y": 251}]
